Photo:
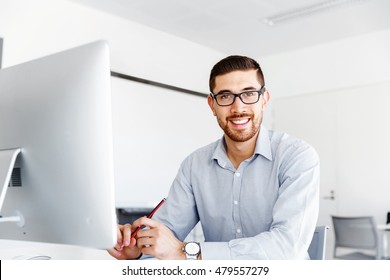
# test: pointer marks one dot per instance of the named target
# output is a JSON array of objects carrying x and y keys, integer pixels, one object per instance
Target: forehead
[{"x": 237, "y": 81}]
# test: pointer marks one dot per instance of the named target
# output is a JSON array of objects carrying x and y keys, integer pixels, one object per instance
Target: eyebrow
[{"x": 243, "y": 90}]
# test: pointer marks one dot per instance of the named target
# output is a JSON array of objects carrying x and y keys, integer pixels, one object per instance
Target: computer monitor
[{"x": 56, "y": 111}]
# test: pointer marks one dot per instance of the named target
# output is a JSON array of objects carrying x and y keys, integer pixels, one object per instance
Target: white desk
[{"x": 11, "y": 249}]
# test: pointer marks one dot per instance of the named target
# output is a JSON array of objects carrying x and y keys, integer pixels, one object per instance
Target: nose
[{"x": 238, "y": 106}]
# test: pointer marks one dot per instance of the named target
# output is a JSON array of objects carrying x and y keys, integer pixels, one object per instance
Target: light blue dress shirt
[{"x": 265, "y": 209}]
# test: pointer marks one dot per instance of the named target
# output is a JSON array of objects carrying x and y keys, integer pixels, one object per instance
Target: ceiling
[{"x": 237, "y": 26}]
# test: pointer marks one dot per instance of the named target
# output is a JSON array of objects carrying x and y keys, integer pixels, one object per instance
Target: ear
[
  {"x": 266, "y": 97},
  {"x": 211, "y": 101}
]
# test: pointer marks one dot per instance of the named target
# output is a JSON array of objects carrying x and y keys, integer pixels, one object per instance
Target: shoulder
[
  {"x": 199, "y": 160},
  {"x": 290, "y": 148},
  {"x": 201, "y": 157},
  {"x": 204, "y": 153}
]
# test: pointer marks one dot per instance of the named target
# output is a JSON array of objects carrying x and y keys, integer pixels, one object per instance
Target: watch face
[{"x": 192, "y": 248}]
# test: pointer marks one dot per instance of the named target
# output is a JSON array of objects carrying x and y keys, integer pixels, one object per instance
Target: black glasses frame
[{"x": 260, "y": 92}]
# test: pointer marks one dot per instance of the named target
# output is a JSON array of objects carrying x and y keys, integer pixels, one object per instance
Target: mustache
[{"x": 236, "y": 116}]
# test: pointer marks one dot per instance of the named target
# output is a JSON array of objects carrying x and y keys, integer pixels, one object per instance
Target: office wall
[
  {"x": 150, "y": 129},
  {"x": 355, "y": 61},
  {"x": 349, "y": 129},
  {"x": 1, "y": 51},
  {"x": 154, "y": 130},
  {"x": 36, "y": 28}
]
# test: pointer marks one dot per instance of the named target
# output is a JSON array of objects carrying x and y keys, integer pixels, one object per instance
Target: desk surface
[{"x": 11, "y": 250}]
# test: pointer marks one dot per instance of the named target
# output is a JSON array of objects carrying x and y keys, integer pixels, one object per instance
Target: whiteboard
[{"x": 154, "y": 129}]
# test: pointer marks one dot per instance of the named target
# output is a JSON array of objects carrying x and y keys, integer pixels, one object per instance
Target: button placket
[{"x": 236, "y": 205}]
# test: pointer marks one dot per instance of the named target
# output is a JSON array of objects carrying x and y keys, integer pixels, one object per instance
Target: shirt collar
[
  {"x": 263, "y": 147},
  {"x": 263, "y": 143},
  {"x": 220, "y": 153}
]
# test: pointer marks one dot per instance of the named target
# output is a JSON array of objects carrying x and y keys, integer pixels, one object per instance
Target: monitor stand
[{"x": 7, "y": 163}]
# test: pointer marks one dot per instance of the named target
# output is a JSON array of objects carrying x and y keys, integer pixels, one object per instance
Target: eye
[
  {"x": 224, "y": 96},
  {"x": 249, "y": 93}
]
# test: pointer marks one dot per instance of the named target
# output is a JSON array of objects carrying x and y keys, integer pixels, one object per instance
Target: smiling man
[{"x": 254, "y": 191}]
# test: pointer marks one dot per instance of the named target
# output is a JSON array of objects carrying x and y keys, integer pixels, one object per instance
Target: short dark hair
[{"x": 234, "y": 63}]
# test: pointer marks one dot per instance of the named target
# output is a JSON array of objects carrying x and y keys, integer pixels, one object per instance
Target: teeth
[{"x": 240, "y": 121}]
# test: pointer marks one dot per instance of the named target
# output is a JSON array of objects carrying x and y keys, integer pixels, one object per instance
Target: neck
[{"x": 237, "y": 152}]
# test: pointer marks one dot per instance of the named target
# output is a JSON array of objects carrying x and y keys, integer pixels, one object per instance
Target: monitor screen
[{"x": 57, "y": 111}]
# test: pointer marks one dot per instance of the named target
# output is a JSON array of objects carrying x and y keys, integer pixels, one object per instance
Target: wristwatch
[{"x": 192, "y": 250}]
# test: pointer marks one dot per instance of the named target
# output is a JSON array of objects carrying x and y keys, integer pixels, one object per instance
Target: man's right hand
[{"x": 126, "y": 247}]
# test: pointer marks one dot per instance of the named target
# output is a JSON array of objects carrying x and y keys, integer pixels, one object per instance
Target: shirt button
[
  {"x": 238, "y": 230},
  {"x": 235, "y": 202},
  {"x": 238, "y": 174}
]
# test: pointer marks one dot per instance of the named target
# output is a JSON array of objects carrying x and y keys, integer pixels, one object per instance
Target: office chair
[
  {"x": 317, "y": 246},
  {"x": 359, "y": 233}
]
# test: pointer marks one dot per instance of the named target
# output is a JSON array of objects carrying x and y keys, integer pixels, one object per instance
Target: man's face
[{"x": 239, "y": 121}]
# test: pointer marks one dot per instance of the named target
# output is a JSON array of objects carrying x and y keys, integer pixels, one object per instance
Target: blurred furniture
[
  {"x": 318, "y": 243},
  {"x": 359, "y": 234},
  {"x": 129, "y": 215},
  {"x": 384, "y": 233}
]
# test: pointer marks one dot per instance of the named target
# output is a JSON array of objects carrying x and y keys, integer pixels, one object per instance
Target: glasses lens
[
  {"x": 250, "y": 97},
  {"x": 225, "y": 99}
]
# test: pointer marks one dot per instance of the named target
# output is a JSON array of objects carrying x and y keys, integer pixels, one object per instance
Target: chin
[{"x": 241, "y": 137}]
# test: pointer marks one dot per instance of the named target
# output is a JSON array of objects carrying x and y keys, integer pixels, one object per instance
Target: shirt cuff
[{"x": 215, "y": 251}]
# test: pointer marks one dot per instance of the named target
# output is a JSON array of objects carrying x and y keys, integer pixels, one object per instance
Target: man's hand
[
  {"x": 126, "y": 247},
  {"x": 158, "y": 240}
]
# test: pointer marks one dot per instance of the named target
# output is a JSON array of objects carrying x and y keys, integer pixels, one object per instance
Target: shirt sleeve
[
  {"x": 295, "y": 215},
  {"x": 179, "y": 213}
]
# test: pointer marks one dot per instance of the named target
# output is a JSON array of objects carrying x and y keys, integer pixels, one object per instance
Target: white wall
[
  {"x": 154, "y": 130},
  {"x": 344, "y": 63},
  {"x": 1, "y": 50},
  {"x": 36, "y": 28}
]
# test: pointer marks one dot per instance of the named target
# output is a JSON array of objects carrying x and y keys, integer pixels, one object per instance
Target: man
[{"x": 254, "y": 191}]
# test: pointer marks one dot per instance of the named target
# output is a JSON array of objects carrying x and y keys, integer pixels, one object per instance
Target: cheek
[
  {"x": 220, "y": 113},
  {"x": 259, "y": 118}
]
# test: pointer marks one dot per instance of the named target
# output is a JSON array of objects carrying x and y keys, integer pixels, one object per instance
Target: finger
[
  {"x": 147, "y": 246},
  {"x": 114, "y": 253},
  {"x": 148, "y": 250},
  {"x": 133, "y": 242},
  {"x": 144, "y": 221},
  {"x": 126, "y": 234},
  {"x": 145, "y": 232},
  {"x": 145, "y": 242},
  {"x": 119, "y": 238}
]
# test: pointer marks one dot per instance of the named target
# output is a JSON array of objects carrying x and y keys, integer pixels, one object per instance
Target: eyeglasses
[{"x": 247, "y": 97}]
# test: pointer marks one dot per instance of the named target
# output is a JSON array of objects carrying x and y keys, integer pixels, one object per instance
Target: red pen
[{"x": 149, "y": 216}]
